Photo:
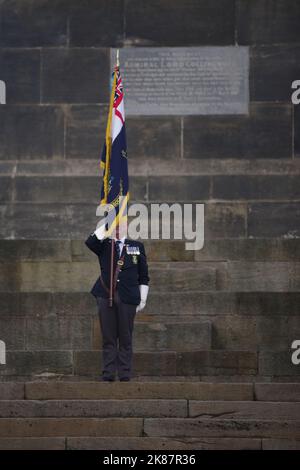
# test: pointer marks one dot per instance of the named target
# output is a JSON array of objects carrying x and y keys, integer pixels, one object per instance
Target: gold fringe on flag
[{"x": 108, "y": 139}]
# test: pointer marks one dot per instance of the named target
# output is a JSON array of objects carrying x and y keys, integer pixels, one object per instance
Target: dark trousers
[{"x": 117, "y": 327}]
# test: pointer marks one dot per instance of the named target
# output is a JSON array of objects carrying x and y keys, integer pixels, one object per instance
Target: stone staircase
[
  {"x": 211, "y": 320},
  {"x": 149, "y": 415},
  {"x": 212, "y": 360}
]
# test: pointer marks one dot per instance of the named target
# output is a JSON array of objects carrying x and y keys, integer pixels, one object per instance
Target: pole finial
[{"x": 118, "y": 54}]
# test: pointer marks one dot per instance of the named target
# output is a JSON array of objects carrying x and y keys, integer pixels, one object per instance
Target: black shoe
[
  {"x": 108, "y": 379},
  {"x": 124, "y": 379}
]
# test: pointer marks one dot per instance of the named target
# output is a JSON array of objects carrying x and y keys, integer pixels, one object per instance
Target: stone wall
[{"x": 242, "y": 289}]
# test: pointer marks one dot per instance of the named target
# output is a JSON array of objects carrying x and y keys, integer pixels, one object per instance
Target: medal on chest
[{"x": 132, "y": 250}]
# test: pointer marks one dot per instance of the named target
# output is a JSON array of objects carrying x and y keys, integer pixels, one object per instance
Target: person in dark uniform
[{"x": 130, "y": 291}]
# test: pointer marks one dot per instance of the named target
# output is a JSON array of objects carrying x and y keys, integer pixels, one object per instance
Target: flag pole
[
  {"x": 111, "y": 272},
  {"x": 111, "y": 286},
  {"x": 117, "y": 65}
]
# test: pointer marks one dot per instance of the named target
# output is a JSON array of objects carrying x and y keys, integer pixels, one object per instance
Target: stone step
[
  {"x": 239, "y": 365},
  {"x": 94, "y": 408},
  {"x": 232, "y": 378},
  {"x": 184, "y": 276},
  {"x": 186, "y": 188},
  {"x": 161, "y": 443},
  {"x": 170, "y": 363},
  {"x": 149, "y": 427},
  {"x": 76, "y": 250},
  {"x": 62, "y": 390},
  {"x": 152, "y": 332},
  {"x": 146, "y": 443},
  {"x": 280, "y": 444},
  {"x": 257, "y": 410},
  {"x": 153, "y": 408},
  {"x": 80, "y": 276},
  {"x": 165, "y": 336},
  {"x": 277, "y": 392},
  {"x": 33, "y": 443},
  {"x": 12, "y": 391},
  {"x": 271, "y": 392},
  {"x": 87, "y": 363},
  {"x": 162, "y": 415},
  {"x": 176, "y": 363},
  {"x": 63, "y": 427},
  {"x": 147, "y": 167},
  {"x": 56, "y": 326},
  {"x": 276, "y": 249},
  {"x": 56, "y": 333},
  {"x": 223, "y": 220},
  {"x": 136, "y": 443},
  {"x": 237, "y": 427},
  {"x": 169, "y": 303}
]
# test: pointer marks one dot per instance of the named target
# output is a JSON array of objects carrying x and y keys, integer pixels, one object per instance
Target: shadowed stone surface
[
  {"x": 33, "y": 24},
  {"x": 58, "y": 333},
  {"x": 12, "y": 332},
  {"x": 265, "y": 133},
  {"x": 153, "y": 363},
  {"x": 153, "y": 137},
  {"x": 187, "y": 22},
  {"x": 173, "y": 427},
  {"x": 278, "y": 66},
  {"x": 244, "y": 410},
  {"x": 87, "y": 25},
  {"x": 20, "y": 70},
  {"x": 93, "y": 408},
  {"x": 47, "y": 276},
  {"x": 76, "y": 75},
  {"x": 33, "y": 443},
  {"x": 256, "y": 187},
  {"x": 267, "y": 21},
  {"x": 277, "y": 392},
  {"x": 85, "y": 132},
  {"x": 280, "y": 444},
  {"x": 55, "y": 427},
  {"x": 165, "y": 336},
  {"x": 31, "y": 132},
  {"x": 270, "y": 220},
  {"x": 12, "y": 391},
  {"x": 168, "y": 390},
  {"x": 216, "y": 362},
  {"x": 147, "y": 443},
  {"x": 255, "y": 332},
  {"x": 37, "y": 362},
  {"x": 67, "y": 190},
  {"x": 278, "y": 363}
]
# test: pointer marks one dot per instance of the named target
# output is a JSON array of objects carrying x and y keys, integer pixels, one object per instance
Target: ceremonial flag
[{"x": 115, "y": 187}]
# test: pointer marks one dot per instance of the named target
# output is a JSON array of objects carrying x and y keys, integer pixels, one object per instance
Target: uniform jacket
[{"x": 133, "y": 272}]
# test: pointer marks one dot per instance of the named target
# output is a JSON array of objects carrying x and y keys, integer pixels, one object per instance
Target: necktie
[{"x": 118, "y": 245}]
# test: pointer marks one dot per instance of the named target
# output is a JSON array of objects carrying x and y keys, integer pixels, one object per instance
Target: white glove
[
  {"x": 100, "y": 232},
  {"x": 144, "y": 293}
]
